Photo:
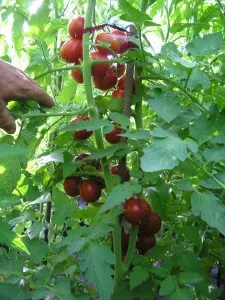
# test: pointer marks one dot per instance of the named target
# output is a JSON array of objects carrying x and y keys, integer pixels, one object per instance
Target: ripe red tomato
[
  {"x": 81, "y": 134},
  {"x": 90, "y": 190},
  {"x": 112, "y": 40},
  {"x": 136, "y": 210},
  {"x": 76, "y": 27},
  {"x": 145, "y": 243},
  {"x": 115, "y": 170},
  {"x": 120, "y": 69},
  {"x": 121, "y": 36},
  {"x": 114, "y": 137},
  {"x": 71, "y": 51},
  {"x": 121, "y": 83},
  {"x": 118, "y": 94},
  {"x": 106, "y": 82},
  {"x": 72, "y": 186},
  {"x": 99, "y": 70},
  {"x": 151, "y": 226},
  {"x": 77, "y": 75}
]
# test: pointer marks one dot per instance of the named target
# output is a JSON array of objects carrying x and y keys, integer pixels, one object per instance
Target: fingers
[
  {"x": 35, "y": 92},
  {"x": 7, "y": 123}
]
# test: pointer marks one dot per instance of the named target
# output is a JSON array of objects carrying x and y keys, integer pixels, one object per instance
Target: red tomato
[
  {"x": 121, "y": 83},
  {"x": 145, "y": 243},
  {"x": 76, "y": 27},
  {"x": 151, "y": 226},
  {"x": 107, "y": 82},
  {"x": 81, "y": 134},
  {"x": 121, "y": 36},
  {"x": 99, "y": 70},
  {"x": 72, "y": 186},
  {"x": 118, "y": 94},
  {"x": 120, "y": 69},
  {"x": 136, "y": 210},
  {"x": 113, "y": 137},
  {"x": 112, "y": 40},
  {"x": 71, "y": 51},
  {"x": 77, "y": 75},
  {"x": 90, "y": 190},
  {"x": 115, "y": 170}
]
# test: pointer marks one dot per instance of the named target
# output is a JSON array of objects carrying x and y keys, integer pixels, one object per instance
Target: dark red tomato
[
  {"x": 77, "y": 75},
  {"x": 121, "y": 36},
  {"x": 136, "y": 210},
  {"x": 71, "y": 51},
  {"x": 118, "y": 94},
  {"x": 145, "y": 243},
  {"x": 115, "y": 170},
  {"x": 99, "y": 70},
  {"x": 112, "y": 40},
  {"x": 114, "y": 137},
  {"x": 106, "y": 82},
  {"x": 120, "y": 69},
  {"x": 90, "y": 190},
  {"x": 72, "y": 186},
  {"x": 151, "y": 226},
  {"x": 76, "y": 27},
  {"x": 121, "y": 83},
  {"x": 81, "y": 134}
]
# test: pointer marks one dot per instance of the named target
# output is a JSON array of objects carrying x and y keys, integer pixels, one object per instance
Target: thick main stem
[{"x": 86, "y": 67}]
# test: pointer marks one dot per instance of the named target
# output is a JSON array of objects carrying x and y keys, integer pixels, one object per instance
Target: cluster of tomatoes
[
  {"x": 105, "y": 75},
  {"x": 137, "y": 211},
  {"x": 89, "y": 188}
]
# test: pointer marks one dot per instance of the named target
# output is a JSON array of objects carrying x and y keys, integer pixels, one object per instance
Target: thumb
[{"x": 7, "y": 123}]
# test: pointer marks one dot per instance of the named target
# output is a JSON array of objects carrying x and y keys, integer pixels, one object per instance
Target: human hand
[{"x": 15, "y": 85}]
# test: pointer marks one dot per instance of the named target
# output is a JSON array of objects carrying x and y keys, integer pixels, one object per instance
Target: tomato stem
[{"x": 131, "y": 248}]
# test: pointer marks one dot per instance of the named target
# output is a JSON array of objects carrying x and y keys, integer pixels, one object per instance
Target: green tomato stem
[{"x": 131, "y": 248}]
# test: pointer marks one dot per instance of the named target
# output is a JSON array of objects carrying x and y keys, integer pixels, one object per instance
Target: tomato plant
[{"x": 156, "y": 231}]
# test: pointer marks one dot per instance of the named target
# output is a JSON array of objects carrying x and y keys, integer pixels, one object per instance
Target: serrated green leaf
[
  {"x": 7, "y": 151},
  {"x": 96, "y": 261},
  {"x": 138, "y": 276},
  {"x": 167, "y": 286},
  {"x": 62, "y": 289},
  {"x": 9, "y": 292},
  {"x": 209, "y": 44},
  {"x": 210, "y": 209},
  {"x": 119, "y": 194},
  {"x": 183, "y": 294},
  {"x": 64, "y": 206},
  {"x": 166, "y": 105},
  {"x": 164, "y": 154},
  {"x": 189, "y": 278},
  {"x": 131, "y": 13},
  {"x": 214, "y": 154},
  {"x": 198, "y": 79}
]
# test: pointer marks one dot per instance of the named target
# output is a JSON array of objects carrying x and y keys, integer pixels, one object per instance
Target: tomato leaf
[
  {"x": 119, "y": 194},
  {"x": 167, "y": 286},
  {"x": 96, "y": 261},
  {"x": 138, "y": 276},
  {"x": 210, "y": 209}
]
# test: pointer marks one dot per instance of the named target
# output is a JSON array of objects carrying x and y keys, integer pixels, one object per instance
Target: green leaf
[
  {"x": 210, "y": 183},
  {"x": 183, "y": 294},
  {"x": 138, "y": 276},
  {"x": 9, "y": 292},
  {"x": 167, "y": 286},
  {"x": 219, "y": 95},
  {"x": 96, "y": 261},
  {"x": 64, "y": 206},
  {"x": 210, "y": 209},
  {"x": 214, "y": 154},
  {"x": 121, "y": 119},
  {"x": 10, "y": 238},
  {"x": 132, "y": 14},
  {"x": 12, "y": 265},
  {"x": 166, "y": 105},
  {"x": 89, "y": 125},
  {"x": 198, "y": 79},
  {"x": 62, "y": 289},
  {"x": 8, "y": 200},
  {"x": 189, "y": 278},
  {"x": 209, "y": 44},
  {"x": 119, "y": 194},
  {"x": 16, "y": 31},
  {"x": 7, "y": 151},
  {"x": 164, "y": 154},
  {"x": 203, "y": 128}
]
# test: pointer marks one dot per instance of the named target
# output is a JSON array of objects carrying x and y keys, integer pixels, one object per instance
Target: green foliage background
[{"x": 181, "y": 149}]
